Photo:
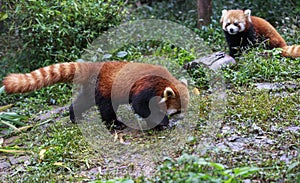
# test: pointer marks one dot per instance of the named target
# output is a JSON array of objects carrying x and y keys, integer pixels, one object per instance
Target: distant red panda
[
  {"x": 243, "y": 30},
  {"x": 110, "y": 84}
]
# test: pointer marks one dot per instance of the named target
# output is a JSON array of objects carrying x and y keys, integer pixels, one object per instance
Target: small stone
[
  {"x": 4, "y": 165},
  {"x": 15, "y": 160},
  {"x": 257, "y": 129}
]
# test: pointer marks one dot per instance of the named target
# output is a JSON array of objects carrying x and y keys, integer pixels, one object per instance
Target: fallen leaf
[
  {"x": 121, "y": 139},
  {"x": 116, "y": 137},
  {"x": 42, "y": 154},
  {"x": 196, "y": 91},
  {"x": 24, "y": 128},
  {"x": 2, "y": 108},
  {"x": 62, "y": 165},
  {"x": 12, "y": 151},
  {"x": 58, "y": 163}
]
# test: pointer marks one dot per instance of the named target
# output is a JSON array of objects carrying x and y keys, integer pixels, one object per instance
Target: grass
[
  {"x": 257, "y": 139},
  {"x": 237, "y": 151},
  {"x": 260, "y": 65}
]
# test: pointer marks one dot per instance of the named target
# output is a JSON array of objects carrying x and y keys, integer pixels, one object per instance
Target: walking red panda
[
  {"x": 109, "y": 84},
  {"x": 243, "y": 30}
]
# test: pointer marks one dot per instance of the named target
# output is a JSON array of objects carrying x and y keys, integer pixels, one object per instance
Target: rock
[
  {"x": 235, "y": 138},
  {"x": 256, "y": 129},
  {"x": 48, "y": 115},
  {"x": 226, "y": 130},
  {"x": 22, "y": 159},
  {"x": 278, "y": 130},
  {"x": 277, "y": 86},
  {"x": 236, "y": 146},
  {"x": 213, "y": 61},
  {"x": 4, "y": 165},
  {"x": 9, "y": 141},
  {"x": 294, "y": 129}
]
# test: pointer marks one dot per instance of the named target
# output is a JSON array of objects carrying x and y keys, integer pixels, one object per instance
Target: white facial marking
[
  {"x": 163, "y": 100},
  {"x": 225, "y": 23},
  {"x": 171, "y": 111},
  {"x": 232, "y": 29},
  {"x": 242, "y": 27}
]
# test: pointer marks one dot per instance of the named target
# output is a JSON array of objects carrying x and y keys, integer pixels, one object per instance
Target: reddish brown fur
[
  {"x": 109, "y": 84},
  {"x": 126, "y": 78},
  {"x": 108, "y": 74},
  {"x": 291, "y": 51},
  {"x": 266, "y": 30},
  {"x": 178, "y": 87},
  {"x": 64, "y": 72},
  {"x": 120, "y": 75}
]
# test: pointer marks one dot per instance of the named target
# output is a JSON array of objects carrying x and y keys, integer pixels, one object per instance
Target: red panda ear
[
  {"x": 224, "y": 12},
  {"x": 168, "y": 93},
  {"x": 247, "y": 14}
]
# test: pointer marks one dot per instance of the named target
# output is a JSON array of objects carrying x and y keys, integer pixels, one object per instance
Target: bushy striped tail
[
  {"x": 77, "y": 72},
  {"x": 291, "y": 51}
]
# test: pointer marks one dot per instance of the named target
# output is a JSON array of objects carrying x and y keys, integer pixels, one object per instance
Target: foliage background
[{"x": 47, "y": 32}]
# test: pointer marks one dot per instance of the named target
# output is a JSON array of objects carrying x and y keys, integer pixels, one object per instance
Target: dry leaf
[
  {"x": 12, "y": 151},
  {"x": 58, "y": 163},
  {"x": 121, "y": 139},
  {"x": 116, "y": 137},
  {"x": 2, "y": 108},
  {"x": 42, "y": 154},
  {"x": 196, "y": 91},
  {"x": 24, "y": 128}
]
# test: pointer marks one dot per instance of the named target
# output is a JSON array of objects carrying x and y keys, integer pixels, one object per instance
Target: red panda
[
  {"x": 109, "y": 84},
  {"x": 243, "y": 30}
]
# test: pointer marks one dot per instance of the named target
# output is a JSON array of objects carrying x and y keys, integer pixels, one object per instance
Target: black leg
[
  {"x": 233, "y": 52},
  {"x": 106, "y": 110},
  {"x": 108, "y": 113},
  {"x": 83, "y": 102},
  {"x": 153, "y": 116}
]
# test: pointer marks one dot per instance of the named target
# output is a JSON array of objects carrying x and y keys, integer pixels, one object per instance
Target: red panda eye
[
  {"x": 228, "y": 24},
  {"x": 235, "y": 24}
]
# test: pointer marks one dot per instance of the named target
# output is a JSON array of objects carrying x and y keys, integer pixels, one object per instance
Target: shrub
[{"x": 57, "y": 31}]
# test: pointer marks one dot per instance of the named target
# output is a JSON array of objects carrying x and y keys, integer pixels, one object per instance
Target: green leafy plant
[
  {"x": 188, "y": 168},
  {"x": 115, "y": 180},
  {"x": 58, "y": 31},
  {"x": 3, "y": 16},
  {"x": 260, "y": 65},
  {"x": 9, "y": 119},
  {"x": 40, "y": 33}
]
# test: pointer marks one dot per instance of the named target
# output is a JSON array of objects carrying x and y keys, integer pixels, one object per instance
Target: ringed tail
[
  {"x": 76, "y": 72},
  {"x": 291, "y": 51}
]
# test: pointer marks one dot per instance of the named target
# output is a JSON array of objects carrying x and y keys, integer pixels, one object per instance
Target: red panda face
[
  {"x": 175, "y": 101},
  {"x": 235, "y": 21}
]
